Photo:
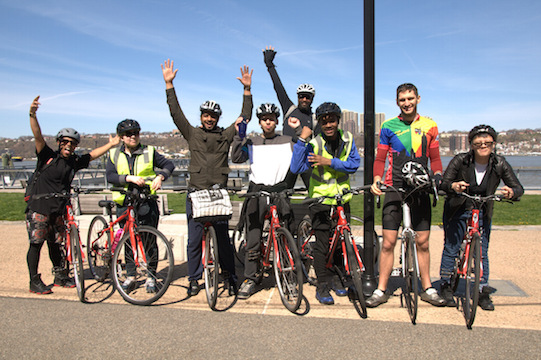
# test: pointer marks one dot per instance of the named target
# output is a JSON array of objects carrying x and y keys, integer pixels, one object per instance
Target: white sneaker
[{"x": 150, "y": 285}]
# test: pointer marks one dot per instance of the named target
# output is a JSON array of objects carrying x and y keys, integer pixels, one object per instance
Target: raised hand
[
  {"x": 35, "y": 105},
  {"x": 168, "y": 72},
  {"x": 293, "y": 122},
  {"x": 246, "y": 76},
  {"x": 268, "y": 56},
  {"x": 114, "y": 141}
]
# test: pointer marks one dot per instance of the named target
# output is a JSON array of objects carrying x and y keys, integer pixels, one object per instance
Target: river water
[{"x": 527, "y": 168}]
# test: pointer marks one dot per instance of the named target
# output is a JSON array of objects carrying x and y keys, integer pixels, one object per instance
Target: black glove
[
  {"x": 437, "y": 180},
  {"x": 268, "y": 57}
]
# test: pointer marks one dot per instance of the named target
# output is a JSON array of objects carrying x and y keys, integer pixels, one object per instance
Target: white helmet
[
  {"x": 415, "y": 174},
  {"x": 306, "y": 88},
  {"x": 212, "y": 107}
]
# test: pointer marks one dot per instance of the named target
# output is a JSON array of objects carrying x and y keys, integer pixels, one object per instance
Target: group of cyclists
[{"x": 311, "y": 145}]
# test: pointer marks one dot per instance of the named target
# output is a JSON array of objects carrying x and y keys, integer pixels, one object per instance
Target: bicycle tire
[
  {"x": 411, "y": 278},
  {"x": 473, "y": 271},
  {"x": 288, "y": 269},
  {"x": 98, "y": 248},
  {"x": 158, "y": 267},
  {"x": 211, "y": 266},
  {"x": 77, "y": 262},
  {"x": 305, "y": 243},
  {"x": 239, "y": 243},
  {"x": 355, "y": 271}
]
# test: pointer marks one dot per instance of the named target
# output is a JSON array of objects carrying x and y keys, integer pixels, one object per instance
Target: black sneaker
[
  {"x": 231, "y": 286},
  {"x": 62, "y": 279},
  {"x": 447, "y": 294},
  {"x": 38, "y": 287},
  {"x": 485, "y": 302},
  {"x": 193, "y": 288}
]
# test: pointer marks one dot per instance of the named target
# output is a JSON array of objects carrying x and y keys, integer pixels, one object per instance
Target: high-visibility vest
[
  {"x": 325, "y": 181},
  {"x": 143, "y": 166}
]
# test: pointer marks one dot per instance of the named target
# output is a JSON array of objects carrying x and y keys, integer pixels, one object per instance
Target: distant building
[
  {"x": 458, "y": 143},
  {"x": 380, "y": 118},
  {"x": 349, "y": 121}
]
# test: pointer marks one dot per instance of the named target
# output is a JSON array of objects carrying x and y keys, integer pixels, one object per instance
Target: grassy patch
[{"x": 525, "y": 212}]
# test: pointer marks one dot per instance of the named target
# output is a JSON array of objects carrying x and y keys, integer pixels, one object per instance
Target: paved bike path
[{"x": 514, "y": 262}]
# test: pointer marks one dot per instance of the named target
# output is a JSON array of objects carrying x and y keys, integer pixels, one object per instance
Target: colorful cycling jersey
[{"x": 402, "y": 142}]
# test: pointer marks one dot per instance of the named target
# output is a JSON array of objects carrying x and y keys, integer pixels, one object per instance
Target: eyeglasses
[
  {"x": 485, "y": 143},
  {"x": 305, "y": 96},
  {"x": 131, "y": 133},
  {"x": 65, "y": 142}
]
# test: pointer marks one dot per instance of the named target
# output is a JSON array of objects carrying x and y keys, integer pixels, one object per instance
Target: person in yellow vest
[
  {"x": 332, "y": 156},
  {"x": 133, "y": 164}
]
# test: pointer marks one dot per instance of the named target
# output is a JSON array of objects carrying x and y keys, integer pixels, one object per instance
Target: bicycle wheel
[
  {"x": 77, "y": 262},
  {"x": 355, "y": 271},
  {"x": 143, "y": 274},
  {"x": 98, "y": 248},
  {"x": 288, "y": 269},
  {"x": 239, "y": 243},
  {"x": 305, "y": 243},
  {"x": 472, "y": 280},
  {"x": 411, "y": 277},
  {"x": 211, "y": 266}
]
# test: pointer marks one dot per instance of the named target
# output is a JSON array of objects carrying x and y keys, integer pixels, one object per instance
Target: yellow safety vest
[
  {"x": 143, "y": 166},
  {"x": 325, "y": 181}
]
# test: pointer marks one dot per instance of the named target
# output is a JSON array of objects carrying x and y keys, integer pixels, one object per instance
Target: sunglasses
[
  {"x": 131, "y": 133},
  {"x": 65, "y": 142},
  {"x": 480, "y": 144},
  {"x": 305, "y": 96}
]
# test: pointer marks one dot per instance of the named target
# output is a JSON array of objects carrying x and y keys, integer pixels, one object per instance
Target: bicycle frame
[
  {"x": 407, "y": 232},
  {"x": 69, "y": 220},
  {"x": 472, "y": 228},
  {"x": 339, "y": 215},
  {"x": 130, "y": 226},
  {"x": 266, "y": 248}
]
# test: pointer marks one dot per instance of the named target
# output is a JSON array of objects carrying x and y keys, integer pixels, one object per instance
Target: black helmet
[
  {"x": 211, "y": 106},
  {"x": 267, "y": 108},
  {"x": 482, "y": 129},
  {"x": 68, "y": 132},
  {"x": 328, "y": 108},
  {"x": 127, "y": 125}
]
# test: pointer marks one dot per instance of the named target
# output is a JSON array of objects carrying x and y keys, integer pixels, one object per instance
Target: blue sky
[{"x": 97, "y": 62}]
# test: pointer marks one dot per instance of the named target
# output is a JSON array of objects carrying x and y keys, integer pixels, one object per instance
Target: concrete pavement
[{"x": 514, "y": 260}]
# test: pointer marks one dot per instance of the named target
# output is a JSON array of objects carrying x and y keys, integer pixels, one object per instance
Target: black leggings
[{"x": 34, "y": 251}]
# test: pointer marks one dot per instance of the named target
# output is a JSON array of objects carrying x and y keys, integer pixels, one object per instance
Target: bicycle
[
  {"x": 468, "y": 265},
  {"x": 305, "y": 239},
  {"x": 139, "y": 251},
  {"x": 72, "y": 249},
  {"x": 278, "y": 249},
  {"x": 212, "y": 271},
  {"x": 341, "y": 235},
  {"x": 408, "y": 258}
]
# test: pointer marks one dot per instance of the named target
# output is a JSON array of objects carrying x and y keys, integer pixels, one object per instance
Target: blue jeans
[
  {"x": 195, "y": 240},
  {"x": 454, "y": 229}
]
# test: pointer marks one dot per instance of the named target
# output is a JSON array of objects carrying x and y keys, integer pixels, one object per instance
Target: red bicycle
[
  {"x": 469, "y": 265},
  {"x": 341, "y": 236},
  {"x": 140, "y": 253},
  {"x": 72, "y": 250},
  {"x": 278, "y": 250}
]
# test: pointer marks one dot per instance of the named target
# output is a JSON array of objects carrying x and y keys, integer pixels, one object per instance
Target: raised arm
[
  {"x": 268, "y": 56},
  {"x": 97, "y": 152},
  {"x": 178, "y": 116},
  {"x": 34, "y": 125},
  {"x": 246, "y": 81}
]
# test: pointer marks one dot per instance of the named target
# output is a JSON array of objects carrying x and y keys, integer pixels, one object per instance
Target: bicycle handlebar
[
  {"x": 355, "y": 191},
  {"x": 285, "y": 193}
]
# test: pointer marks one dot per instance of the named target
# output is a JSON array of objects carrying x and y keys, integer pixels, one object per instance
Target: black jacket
[{"x": 462, "y": 168}]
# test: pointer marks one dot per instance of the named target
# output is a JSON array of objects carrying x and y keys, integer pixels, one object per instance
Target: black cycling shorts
[{"x": 421, "y": 213}]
